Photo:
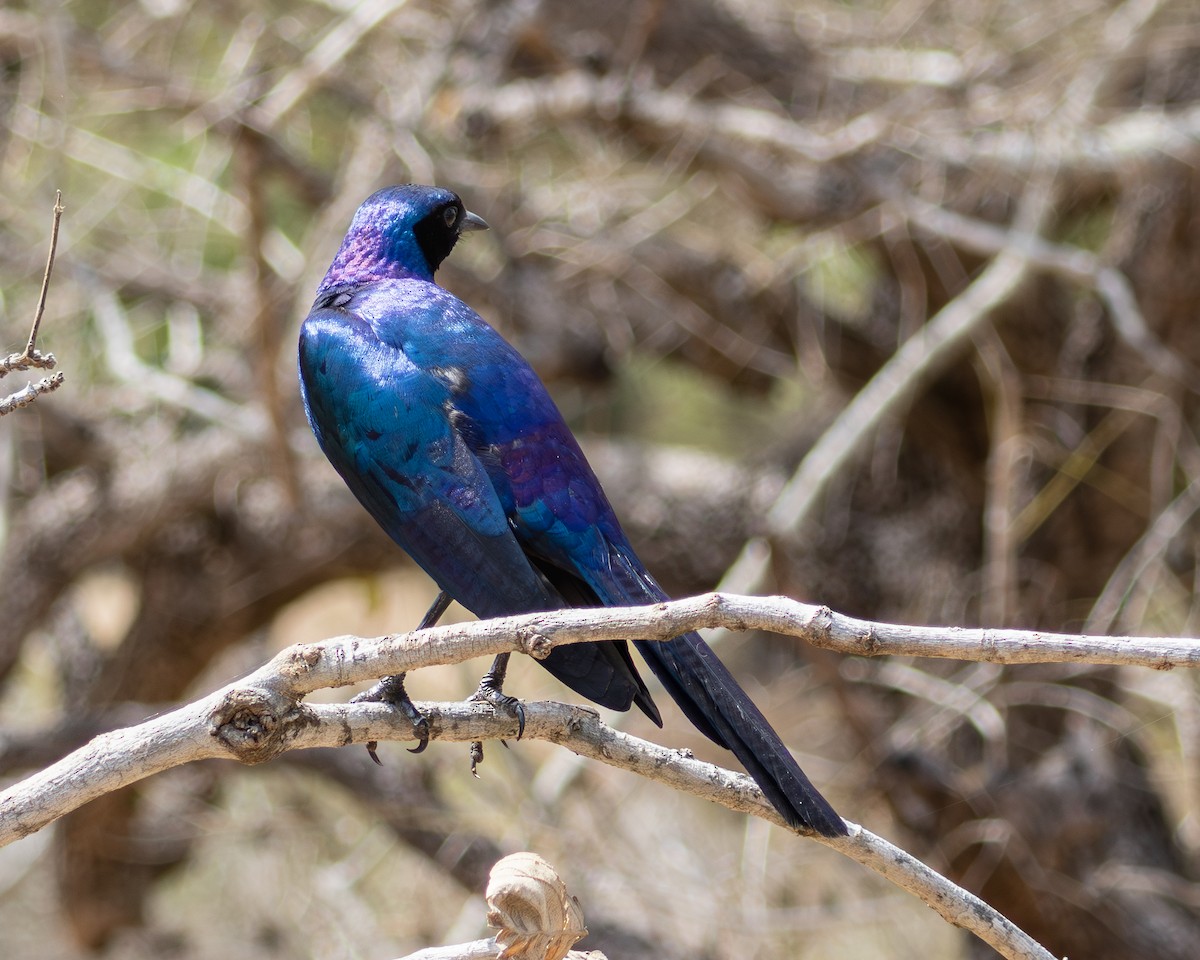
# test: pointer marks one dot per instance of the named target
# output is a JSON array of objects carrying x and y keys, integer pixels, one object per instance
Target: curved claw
[
  {"x": 421, "y": 731},
  {"x": 502, "y": 701},
  {"x": 476, "y": 758},
  {"x": 491, "y": 691},
  {"x": 390, "y": 690}
]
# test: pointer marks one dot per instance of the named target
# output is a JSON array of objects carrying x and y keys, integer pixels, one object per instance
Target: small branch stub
[
  {"x": 529, "y": 904},
  {"x": 255, "y": 725},
  {"x": 534, "y": 643}
]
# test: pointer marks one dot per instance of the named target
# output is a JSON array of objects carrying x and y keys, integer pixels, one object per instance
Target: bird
[{"x": 451, "y": 441}]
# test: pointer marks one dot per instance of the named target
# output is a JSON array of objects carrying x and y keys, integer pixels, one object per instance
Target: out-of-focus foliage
[{"x": 713, "y": 222}]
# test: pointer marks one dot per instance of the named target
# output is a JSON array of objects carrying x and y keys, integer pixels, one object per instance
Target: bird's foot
[
  {"x": 491, "y": 691},
  {"x": 390, "y": 690}
]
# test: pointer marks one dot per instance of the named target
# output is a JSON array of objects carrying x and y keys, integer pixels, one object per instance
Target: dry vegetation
[{"x": 951, "y": 250}]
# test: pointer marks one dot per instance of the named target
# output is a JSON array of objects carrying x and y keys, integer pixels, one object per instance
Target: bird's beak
[{"x": 472, "y": 221}]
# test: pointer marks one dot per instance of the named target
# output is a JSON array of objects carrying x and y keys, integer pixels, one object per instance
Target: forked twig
[{"x": 31, "y": 357}]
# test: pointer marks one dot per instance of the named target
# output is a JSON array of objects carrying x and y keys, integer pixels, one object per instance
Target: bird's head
[{"x": 404, "y": 231}]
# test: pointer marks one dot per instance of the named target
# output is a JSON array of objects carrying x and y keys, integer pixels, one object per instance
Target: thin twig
[
  {"x": 31, "y": 347},
  {"x": 30, "y": 392},
  {"x": 30, "y": 357}
]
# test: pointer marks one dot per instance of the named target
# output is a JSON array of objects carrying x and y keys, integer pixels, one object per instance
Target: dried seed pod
[{"x": 529, "y": 904}]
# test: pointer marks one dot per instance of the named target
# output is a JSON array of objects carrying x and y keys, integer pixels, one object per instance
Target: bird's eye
[{"x": 450, "y": 216}]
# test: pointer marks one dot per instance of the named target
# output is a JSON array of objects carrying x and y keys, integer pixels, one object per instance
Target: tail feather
[
  {"x": 604, "y": 673},
  {"x": 719, "y": 708},
  {"x": 692, "y": 675},
  {"x": 711, "y": 698}
]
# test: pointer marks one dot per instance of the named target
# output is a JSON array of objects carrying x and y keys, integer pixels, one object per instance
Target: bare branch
[
  {"x": 487, "y": 949},
  {"x": 575, "y": 94},
  {"x": 263, "y": 723},
  {"x": 31, "y": 347},
  {"x": 340, "y": 661},
  {"x": 30, "y": 357},
  {"x": 1073, "y": 263},
  {"x": 23, "y": 361},
  {"x": 30, "y": 392},
  {"x": 920, "y": 358},
  {"x": 258, "y": 718},
  {"x": 262, "y": 715}
]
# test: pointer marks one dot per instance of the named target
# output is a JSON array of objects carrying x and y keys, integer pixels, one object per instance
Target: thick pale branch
[
  {"x": 264, "y": 714},
  {"x": 251, "y": 723},
  {"x": 344, "y": 660},
  {"x": 249, "y": 715}
]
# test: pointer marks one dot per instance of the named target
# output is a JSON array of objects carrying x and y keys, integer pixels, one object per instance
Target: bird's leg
[
  {"x": 491, "y": 690},
  {"x": 439, "y": 606},
  {"x": 390, "y": 690}
]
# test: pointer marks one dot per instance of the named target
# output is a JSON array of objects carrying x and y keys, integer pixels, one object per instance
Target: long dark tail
[
  {"x": 707, "y": 693},
  {"x": 696, "y": 680}
]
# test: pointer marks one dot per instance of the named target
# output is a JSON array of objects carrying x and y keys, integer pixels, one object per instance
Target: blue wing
[
  {"x": 384, "y": 412},
  {"x": 381, "y": 421},
  {"x": 566, "y": 527}
]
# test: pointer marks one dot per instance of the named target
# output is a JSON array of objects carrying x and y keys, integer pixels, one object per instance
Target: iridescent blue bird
[{"x": 450, "y": 440}]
